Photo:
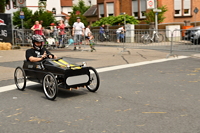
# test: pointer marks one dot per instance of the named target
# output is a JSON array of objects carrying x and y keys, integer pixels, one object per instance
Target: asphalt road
[{"x": 154, "y": 98}]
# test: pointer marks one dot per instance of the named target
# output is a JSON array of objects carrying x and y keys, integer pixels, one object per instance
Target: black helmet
[{"x": 37, "y": 38}]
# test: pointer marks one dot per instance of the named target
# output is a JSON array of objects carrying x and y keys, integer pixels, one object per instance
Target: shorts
[{"x": 78, "y": 38}]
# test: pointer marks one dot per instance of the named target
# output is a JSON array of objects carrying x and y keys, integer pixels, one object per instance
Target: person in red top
[
  {"x": 61, "y": 29},
  {"x": 37, "y": 28}
]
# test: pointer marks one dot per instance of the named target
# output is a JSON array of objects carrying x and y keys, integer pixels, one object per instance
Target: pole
[
  {"x": 156, "y": 17},
  {"x": 22, "y": 22}
]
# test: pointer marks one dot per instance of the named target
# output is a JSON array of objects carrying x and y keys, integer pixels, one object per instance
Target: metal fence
[{"x": 169, "y": 40}]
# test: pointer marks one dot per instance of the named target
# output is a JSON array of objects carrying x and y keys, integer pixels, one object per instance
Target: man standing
[{"x": 78, "y": 32}]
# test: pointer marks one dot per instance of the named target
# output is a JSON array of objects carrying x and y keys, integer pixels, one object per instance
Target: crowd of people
[
  {"x": 78, "y": 33},
  {"x": 58, "y": 33}
]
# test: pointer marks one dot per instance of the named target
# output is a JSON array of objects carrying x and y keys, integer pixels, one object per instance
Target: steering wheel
[{"x": 48, "y": 56}]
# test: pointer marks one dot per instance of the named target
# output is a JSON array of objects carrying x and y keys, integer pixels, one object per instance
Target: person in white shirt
[
  {"x": 78, "y": 32},
  {"x": 120, "y": 33},
  {"x": 87, "y": 34}
]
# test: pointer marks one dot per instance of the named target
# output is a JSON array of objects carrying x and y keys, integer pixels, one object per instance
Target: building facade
[{"x": 178, "y": 10}]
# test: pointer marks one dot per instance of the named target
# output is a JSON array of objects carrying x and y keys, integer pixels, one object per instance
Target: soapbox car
[{"x": 57, "y": 73}]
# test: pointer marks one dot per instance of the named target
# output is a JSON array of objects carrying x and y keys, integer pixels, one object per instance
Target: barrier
[{"x": 162, "y": 39}]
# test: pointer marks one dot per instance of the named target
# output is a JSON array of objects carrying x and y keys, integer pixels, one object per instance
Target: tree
[
  {"x": 45, "y": 16},
  {"x": 150, "y": 16},
  {"x": 27, "y": 19},
  {"x": 81, "y": 7},
  {"x": 73, "y": 19},
  {"x": 30, "y": 18},
  {"x": 2, "y": 6},
  {"x": 115, "y": 20}
]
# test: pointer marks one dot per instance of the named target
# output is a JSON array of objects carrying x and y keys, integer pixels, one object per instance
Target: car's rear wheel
[
  {"x": 94, "y": 80},
  {"x": 20, "y": 78},
  {"x": 50, "y": 86}
]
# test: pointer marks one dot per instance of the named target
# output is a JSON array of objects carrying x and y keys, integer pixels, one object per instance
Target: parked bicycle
[
  {"x": 104, "y": 37},
  {"x": 156, "y": 37}
]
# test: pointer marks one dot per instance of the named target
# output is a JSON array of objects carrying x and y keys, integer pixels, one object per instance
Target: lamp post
[
  {"x": 53, "y": 11},
  {"x": 89, "y": 2},
  {"x": 124, "y": 48},
  {"x": 124, "y": 13}
]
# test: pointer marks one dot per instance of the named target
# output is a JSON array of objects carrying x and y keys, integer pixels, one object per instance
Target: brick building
[{"x": 178, "y": 10}]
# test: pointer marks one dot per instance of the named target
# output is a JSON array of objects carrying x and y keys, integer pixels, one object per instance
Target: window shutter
[
  {"x": 101, "y": 9},
  {"x": 134, "y": 6},
  {"x": 110, "y": 8},
  {"x": 143, "y": 5},
  {"x": 186, "y": 4},
  {"x": 177, "y": 4}
]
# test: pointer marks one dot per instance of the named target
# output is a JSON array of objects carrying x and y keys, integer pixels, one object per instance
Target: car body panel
[{"x": 68, "y": 75}]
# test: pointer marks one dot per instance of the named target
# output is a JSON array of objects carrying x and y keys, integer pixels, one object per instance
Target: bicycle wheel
[
  {"x": 101, "y": 38},
  {"x": 108, "y": 38},
  {"x": 159, "y": 37},
  {"x": 146, "y": 39}
]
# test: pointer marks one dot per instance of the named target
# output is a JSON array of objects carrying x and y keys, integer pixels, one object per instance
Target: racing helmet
[{"x": 37, "y": 38}]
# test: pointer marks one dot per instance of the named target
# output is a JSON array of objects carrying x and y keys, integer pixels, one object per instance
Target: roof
[
  {"x": 92, "y": 11},
  {"x": 66, "y": 3}
]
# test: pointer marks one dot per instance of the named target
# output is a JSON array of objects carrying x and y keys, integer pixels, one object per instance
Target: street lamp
[
  {"x": 124, "y": 13},
  {"x": 53, "y": 10},
  {"x": 89, "y": 2}
]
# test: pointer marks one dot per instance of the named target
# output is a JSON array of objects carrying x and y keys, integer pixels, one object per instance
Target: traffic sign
[
  {"x": 157, "y": 10},
  {"x": 21, "y": 16},
  {"x": 150, "y": 4},
  {"x": 21, "y": 3},
  {"x": 196, "y": 10}
]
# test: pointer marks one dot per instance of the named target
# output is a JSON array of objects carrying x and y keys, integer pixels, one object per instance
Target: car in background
[{"x": 193, "y": 35}]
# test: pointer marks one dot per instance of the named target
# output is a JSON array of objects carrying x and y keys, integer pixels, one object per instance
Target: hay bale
[{"x": 5, "y": 46}]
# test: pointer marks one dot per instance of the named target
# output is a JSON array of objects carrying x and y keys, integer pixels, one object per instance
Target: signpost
[
  {"x": 150, "y": 4},
  {"x": 196, "y": 10}
]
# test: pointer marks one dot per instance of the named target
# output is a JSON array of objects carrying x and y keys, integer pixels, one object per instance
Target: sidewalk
[{"x": 103, "y": 57}]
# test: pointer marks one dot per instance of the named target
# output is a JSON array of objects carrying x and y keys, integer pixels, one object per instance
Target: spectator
[
  {"x": 102, "y": 31},
  {"x": 37, "y": 28},
  {"x": 78, "y": 32},
  {"x": 87, "y": 34},
  {"x": 61, "y": 28},
  {"x": 120, "y": 33}
]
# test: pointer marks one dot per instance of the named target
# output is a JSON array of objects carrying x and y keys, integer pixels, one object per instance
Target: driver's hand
[{"x": 44, "y": 55}]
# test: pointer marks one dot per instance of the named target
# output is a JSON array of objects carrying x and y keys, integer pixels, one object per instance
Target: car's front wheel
[{"x": 50, "y": 86}]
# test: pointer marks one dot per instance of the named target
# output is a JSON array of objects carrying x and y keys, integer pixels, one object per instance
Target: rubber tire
[
  {"x": 146, "y": 40},
  {"x": 94, "y": 73},
  {"x": 160, "y": 39},
  {"x": 45, "y": 89},
  {"x": 24, "y": 78}
]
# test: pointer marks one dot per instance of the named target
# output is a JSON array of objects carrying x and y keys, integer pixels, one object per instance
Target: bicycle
[
  {"x": 156, "y": 37},
  {"x": 104, "y": 37}
]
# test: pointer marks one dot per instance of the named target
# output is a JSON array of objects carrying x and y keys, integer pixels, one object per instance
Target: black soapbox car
[{"x": 57, "y": 73}]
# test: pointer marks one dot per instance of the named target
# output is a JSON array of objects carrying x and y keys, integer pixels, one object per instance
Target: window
[
  {"x": 135, "y": 8},
  {"x": 101, "y": 10},
  {"x": 187, "y": 7},
  {"x": 110, "y": 9},
  {"x": 8, "y": 4},
  {"x": 143, "y": 8},
  {"x": 139, "y": 7},
  {"x": 182, "y": 7}
]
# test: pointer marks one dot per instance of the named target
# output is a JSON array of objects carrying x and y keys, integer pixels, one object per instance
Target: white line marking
[
  {"x": 29, "y": 83},
  {"x": 138, "y": 64}
]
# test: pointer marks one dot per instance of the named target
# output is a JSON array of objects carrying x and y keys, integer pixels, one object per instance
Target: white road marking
[
  {"x": 138, "y": 64},
  {"x": 112, "y": 68}
]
